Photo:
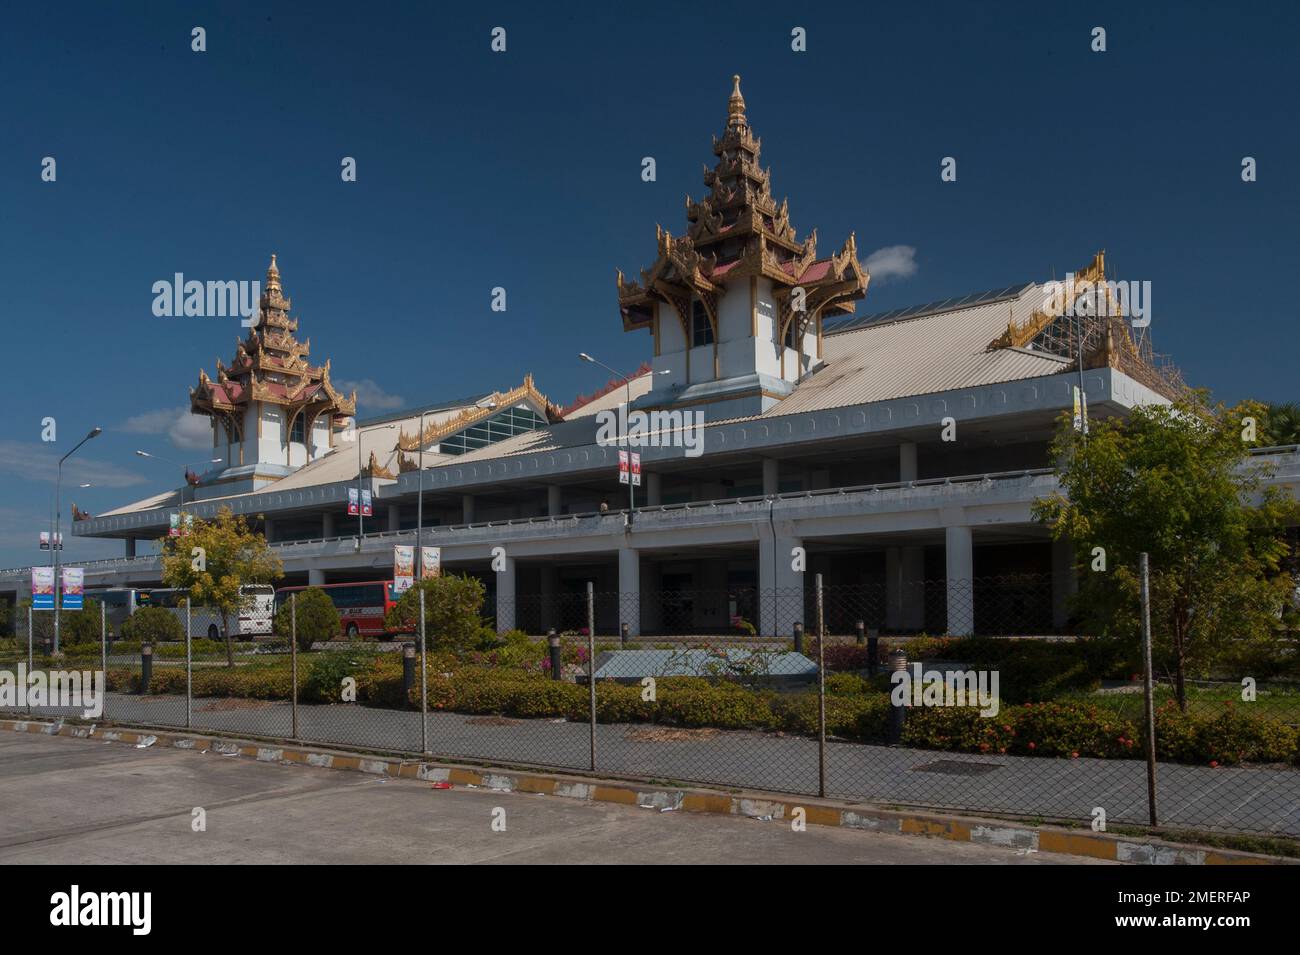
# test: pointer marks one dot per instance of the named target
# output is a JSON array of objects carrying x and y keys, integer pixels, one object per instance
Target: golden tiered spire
[
  {"x": 735, "y": 105},
  {"x": 273, "y": 276}
]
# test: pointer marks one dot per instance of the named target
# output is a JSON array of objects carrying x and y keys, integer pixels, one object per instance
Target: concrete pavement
[
  {"x": 1254, "y": 799},
  {"x": 86, "y": 801}
]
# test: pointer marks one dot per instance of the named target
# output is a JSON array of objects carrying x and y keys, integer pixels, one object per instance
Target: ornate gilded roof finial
[
  {"x": 735, "y": 105},
  {"x": 273, "y": 276}
]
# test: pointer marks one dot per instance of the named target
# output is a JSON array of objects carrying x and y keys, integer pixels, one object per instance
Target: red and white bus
[{"x": 361, "y": 606}]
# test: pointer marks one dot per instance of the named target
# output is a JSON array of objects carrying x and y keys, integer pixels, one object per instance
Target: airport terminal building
[{"x": 900, "y": 452}]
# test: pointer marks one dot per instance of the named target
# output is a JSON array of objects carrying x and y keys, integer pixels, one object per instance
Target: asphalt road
[{"x": 73, "y": 801}]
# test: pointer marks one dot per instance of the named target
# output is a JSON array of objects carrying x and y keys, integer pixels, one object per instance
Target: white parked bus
[{"x": 254, "y": 619}]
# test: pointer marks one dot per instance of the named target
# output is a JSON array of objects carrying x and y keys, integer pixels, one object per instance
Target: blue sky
[{"x": 522, "y": 170}]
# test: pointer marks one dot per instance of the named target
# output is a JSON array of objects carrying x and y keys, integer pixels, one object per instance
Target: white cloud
[
  {"x": 892, "y": 262},
  {"x": 188, "y": 431},
  {"x": 371, "y": 396},
  {"x": 34, "y": 460}
]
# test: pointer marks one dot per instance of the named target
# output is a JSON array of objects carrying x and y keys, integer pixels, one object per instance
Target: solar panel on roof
[{"x": 931, "y": 308}]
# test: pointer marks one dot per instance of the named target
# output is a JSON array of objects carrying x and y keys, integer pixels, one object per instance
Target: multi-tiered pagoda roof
[
  {"x": 737, "y": 231},
  {"x": 270, "y": 366}
]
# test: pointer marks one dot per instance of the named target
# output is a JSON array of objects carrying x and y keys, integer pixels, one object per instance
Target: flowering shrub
[{"x": 744, "y": 626}]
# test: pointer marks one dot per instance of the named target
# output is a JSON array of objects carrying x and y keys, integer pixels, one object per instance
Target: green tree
[
  {"x": 214, "y": 560},
  {"x": 317, "y": 618},
  {"x": 81, "y": 626},
  {"x": 1280, "y": 424},
  {"x": 152, "y": 625},
  {"x": 1176, "y": 482},
  {"x": 452, "y": 608}
]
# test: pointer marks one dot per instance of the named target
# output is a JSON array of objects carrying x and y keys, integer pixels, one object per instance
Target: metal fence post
[
  {"x": 798, "y": 638},
  {"x": 103, "y": 649},
  {"x": 424, "y": 684},
  {"x": 293, "y": 662},
  {"x": 591, "y": 665},
  {"x": 821, "y": 691},
  {"x": 1148, "y": 688},
  {"x": 30, "y": 661},
  {"x": 189, "y": 666}
]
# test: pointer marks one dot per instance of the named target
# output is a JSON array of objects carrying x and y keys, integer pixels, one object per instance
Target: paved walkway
[
  {"x": 1264, "y": 800},
  {"x": 76, "y": 801}
]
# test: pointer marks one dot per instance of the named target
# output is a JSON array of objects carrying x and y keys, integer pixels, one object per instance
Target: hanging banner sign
[
  {"x": 367, "y": 510},
  {"x": 636, "y": 468},
  {"x": 403, "y": 567},
  {"x": 45, "y": 540},
  {"x": 353, "y": 508},
  {"x": 174, "y": 528},
  {"x": 74, "y": 587},
  {"x": 623, "y": 467},
  {"x": 1080, "y": 410},
  {"x": 42, "y": 588},
  {"x": 430, "y": 562}
]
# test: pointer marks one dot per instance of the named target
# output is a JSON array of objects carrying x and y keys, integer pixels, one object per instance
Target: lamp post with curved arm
[{"x": 54, "y": 542}]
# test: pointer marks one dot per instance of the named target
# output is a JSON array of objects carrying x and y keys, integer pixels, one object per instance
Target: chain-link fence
[{"x": 831, "y": 690}]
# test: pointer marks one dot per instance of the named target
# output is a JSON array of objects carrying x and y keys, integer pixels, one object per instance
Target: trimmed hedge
[{"x": 853, "y": 711}]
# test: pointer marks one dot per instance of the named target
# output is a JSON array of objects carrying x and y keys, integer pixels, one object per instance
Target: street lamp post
[
  {"x": 361, "y": 517},
  {"x": 58, "y": 489},
  {"x": 627, "y": 381},
  {"x": 419, "y": 506},
  {"x": 184, "y": 468},
  {"x": 488, "y": 403}
]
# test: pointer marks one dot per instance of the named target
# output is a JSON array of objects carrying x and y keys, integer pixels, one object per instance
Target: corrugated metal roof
[{"x": 933, "y": 352}]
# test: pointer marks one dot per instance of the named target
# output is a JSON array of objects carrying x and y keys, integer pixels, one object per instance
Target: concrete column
[
  {"x": 506, "y": 596},
  {"x": 961, "y": 591},
  {"x": 653, "y": 488},
  {"x": 315, "y": 577},
  {"x": 550, "y": 586},
  {"x": 771, "y": 476},
  {"x": 651, "y": 599},
  {"x": 629, "y": 590},
  {"x": 907, "y": 461},
  {"x": 327, "y": 524},
  {"x": 467, "y": 508},
  {"x": 268, "y": 529},
  {"x": 1064, "y": 582},
  {"x": 130, "y": 548},
  {"x": 780, "y": 586},
  {"x": 394, "y": 517},
  {"x": 553, "y": 506},
  {"x": 905, "y": 588}
]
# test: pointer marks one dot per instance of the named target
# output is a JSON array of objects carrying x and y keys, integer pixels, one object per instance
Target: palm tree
[{"x": 1281, "y": 424}]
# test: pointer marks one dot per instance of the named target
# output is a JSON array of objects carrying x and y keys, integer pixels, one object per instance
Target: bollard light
[{"x": 557, "y": 665}]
